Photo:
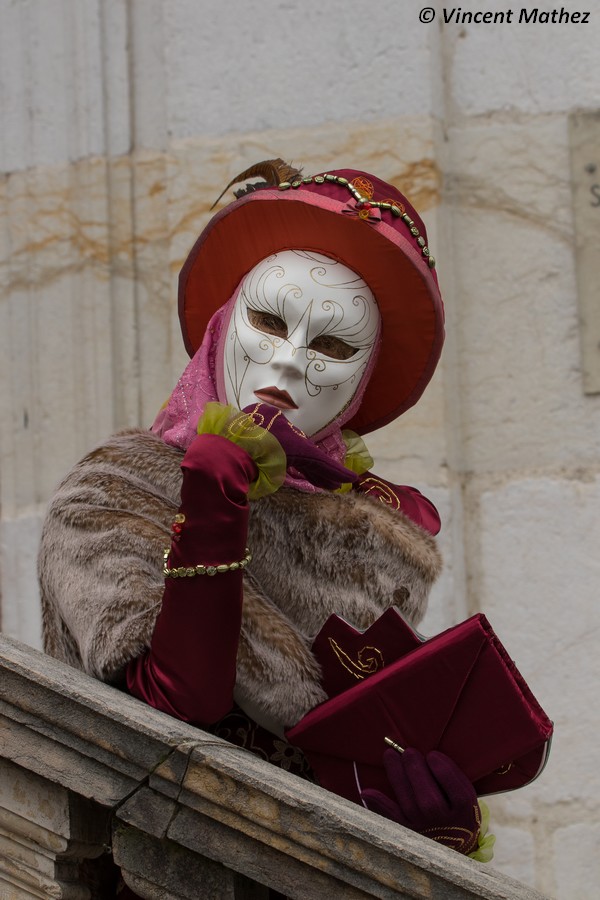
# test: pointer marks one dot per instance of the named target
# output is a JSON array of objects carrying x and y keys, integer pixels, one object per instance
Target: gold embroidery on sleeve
[{"x": 383, "y": 491}]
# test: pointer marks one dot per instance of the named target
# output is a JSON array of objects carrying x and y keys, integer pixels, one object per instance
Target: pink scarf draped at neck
[{"x": 200, "y": 384}]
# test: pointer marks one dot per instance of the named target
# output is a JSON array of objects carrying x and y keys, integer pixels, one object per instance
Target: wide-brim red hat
[{"x": 357, "y": 219}]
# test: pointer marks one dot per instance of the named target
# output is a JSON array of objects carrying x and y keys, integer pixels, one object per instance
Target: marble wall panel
[
  {"x": 64, "y": 71},
  {"x": 290, "y": 64},
  {"x": 539, "y": 583},
  {"x": 517, "y": 67},
  {"x": 515, "y": 293}
]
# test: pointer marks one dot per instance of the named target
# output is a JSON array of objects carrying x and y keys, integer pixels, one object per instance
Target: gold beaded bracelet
[{"x": 191, "y": 571}]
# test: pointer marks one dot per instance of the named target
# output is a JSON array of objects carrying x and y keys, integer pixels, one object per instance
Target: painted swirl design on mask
[{"x": 310, "y": 323}]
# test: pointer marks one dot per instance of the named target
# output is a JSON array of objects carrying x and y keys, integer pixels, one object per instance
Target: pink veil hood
[
  {"x": 202, "y": 382},
  {"x": 177, "y": 421}
]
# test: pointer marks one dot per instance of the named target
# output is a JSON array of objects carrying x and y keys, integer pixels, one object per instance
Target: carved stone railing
[{"x": 88, "y": 775}]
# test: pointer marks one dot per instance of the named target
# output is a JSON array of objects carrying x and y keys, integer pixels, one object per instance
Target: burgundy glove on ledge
[{"x": 432, "y": 796}]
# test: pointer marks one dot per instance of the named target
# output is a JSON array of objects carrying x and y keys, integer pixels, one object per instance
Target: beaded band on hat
[{"x": 364, "y": 203}]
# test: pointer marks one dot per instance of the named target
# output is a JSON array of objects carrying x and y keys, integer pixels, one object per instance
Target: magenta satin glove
[
  {"x": 433, "y": 797},
  {"x": 301, "y": 453}
]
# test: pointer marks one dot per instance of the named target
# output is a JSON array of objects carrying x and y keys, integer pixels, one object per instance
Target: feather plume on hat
[{"x": 273, "y": 171}]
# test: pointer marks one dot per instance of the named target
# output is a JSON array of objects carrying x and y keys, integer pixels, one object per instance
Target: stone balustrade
[{"x": 88, "y": 773}]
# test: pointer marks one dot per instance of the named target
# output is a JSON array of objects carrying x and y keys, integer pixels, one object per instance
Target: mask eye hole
[
  {"x": 267, "y": 322},
  {"x": 333, "y": 347}
]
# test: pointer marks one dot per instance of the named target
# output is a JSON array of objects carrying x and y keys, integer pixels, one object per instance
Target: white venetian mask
[{"x": 300, "y": 337}]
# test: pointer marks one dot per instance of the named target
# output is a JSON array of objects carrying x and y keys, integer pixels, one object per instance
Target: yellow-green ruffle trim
[
  {"x": 357, "y": 459},
  {"x": 264, "y": 448},
  {"x": 485, "y": 849},
  {"x": 266, "y": 451}
]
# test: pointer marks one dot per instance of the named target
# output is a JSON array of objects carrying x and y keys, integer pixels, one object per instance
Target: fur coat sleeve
[{"x": 101, "y": 552}]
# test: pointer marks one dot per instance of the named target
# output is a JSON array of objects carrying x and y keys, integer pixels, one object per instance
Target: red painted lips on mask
[{"x": 275, "y": 397}]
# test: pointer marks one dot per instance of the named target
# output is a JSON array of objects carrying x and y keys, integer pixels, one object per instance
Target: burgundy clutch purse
[{"x": 458, "y": 692}]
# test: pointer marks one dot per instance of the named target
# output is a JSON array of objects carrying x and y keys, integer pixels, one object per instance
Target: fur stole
[{"x": 313, "y": 554}]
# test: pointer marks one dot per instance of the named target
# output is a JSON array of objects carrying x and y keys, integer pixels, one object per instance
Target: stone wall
[{"x": 121, "y": 123}]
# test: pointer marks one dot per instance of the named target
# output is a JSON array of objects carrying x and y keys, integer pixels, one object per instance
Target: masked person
[{"x": 308, "y": 305}]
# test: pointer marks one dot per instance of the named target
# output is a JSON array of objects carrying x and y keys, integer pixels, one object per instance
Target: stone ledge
[{"x": 183, "y": 801}]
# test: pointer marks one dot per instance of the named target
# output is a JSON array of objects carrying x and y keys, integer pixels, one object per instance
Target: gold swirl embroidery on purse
[{"x": 362, "y": 666}]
